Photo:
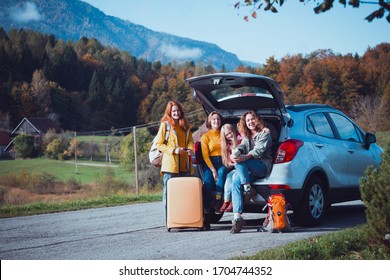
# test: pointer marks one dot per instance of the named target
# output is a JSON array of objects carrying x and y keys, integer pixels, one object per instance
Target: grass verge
[
  {"x": 7, "y": 211},
  {"x": 63, "y": 170},
  {"x": 348, "y": 244}
]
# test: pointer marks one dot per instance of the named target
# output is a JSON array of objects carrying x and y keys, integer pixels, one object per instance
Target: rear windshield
[{"x": 222, "y": 94}]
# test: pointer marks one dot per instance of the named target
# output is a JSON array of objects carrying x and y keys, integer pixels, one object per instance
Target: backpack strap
[
  {"x": 187, "y": 136},
  {"x": 167, "y": 131}
]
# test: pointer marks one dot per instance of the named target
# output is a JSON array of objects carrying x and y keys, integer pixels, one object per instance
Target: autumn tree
[
  {"x": 271, "y": 68},
  {"x": 40, "y": 90},
  {"x": 371, "y": 113},
  {"x": 290, "y": 72}
]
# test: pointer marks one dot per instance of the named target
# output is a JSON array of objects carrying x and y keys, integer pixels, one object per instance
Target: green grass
[
  {"x": 35, "y": 208},
  {"x": 348, "y": 244},
  {"x": 63, "y": 170},
  {"x": 100, "y": 139},
  {"x": 383, "y": 137}
]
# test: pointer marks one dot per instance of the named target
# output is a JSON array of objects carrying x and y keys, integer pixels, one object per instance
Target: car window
[
  {"x": 224, "y": 93},
  {"x": 346, "y": 128},
  {"x": 318, "y": 124},
  {"x": 310, "y": 126}
]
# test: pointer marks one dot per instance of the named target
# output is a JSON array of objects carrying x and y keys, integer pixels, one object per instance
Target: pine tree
[{"x": 94, "y": 97}]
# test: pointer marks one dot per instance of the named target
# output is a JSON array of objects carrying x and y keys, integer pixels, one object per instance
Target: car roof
[
  {"x": 237, "y": 91},
  {"x": 306, "y": 107}
]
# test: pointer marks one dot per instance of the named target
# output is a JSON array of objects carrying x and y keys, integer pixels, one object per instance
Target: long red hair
[{"x": 183, "y": 123}]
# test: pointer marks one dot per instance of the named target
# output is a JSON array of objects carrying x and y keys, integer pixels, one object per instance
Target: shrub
[
  {"x": 53, "y": 148},
  {"x": 56, "y": 145},
  {"x": 144, "y": 140},
  {"x": 375, "y": 192},
  {"x": 110, "y": 184},
  {"x": 24, "y": 145},
  {"x": 149, "y": 176},
  {"x": 3, "y": 191},
  {"x": 44, "y": 183}
]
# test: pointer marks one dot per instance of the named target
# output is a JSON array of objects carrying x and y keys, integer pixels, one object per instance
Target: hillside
[{"x": 73, "y": 19}]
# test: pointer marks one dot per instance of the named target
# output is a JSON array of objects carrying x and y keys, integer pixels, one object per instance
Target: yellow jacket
[{"x": 170, "y": 160}]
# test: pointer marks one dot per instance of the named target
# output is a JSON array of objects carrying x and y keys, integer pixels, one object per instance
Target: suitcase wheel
[{"x": 169, "y": 229}]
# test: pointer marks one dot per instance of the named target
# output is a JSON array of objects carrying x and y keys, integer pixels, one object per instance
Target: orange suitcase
[{"x": 184, "y": 203}]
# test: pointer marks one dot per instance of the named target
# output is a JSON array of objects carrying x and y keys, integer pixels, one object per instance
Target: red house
[{"x": 5, "y": 139}]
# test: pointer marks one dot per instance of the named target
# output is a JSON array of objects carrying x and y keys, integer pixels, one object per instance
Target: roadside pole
[
  {"x": 135, "y": 161},
  {"x": 75, "y": 151}
]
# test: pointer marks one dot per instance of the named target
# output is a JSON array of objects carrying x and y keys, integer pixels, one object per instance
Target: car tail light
[
  {"x": 288, "y": 150},
  {"x": 279, "y": 187},
  {"x": 197, "y": 158}
]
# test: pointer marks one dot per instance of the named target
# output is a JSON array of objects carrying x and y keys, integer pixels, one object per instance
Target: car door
[
  {"x": 351, "y": 140},
  {"x": 332, "y": 157}
]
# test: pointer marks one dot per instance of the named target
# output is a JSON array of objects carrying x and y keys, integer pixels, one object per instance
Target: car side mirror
[{"x": 369, "y": 139}]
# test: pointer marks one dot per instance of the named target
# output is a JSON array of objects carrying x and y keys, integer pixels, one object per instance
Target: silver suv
[{"x": 319, "y": 153}]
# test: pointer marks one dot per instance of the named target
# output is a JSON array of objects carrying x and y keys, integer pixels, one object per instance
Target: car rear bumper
[{"x": 293, "y": 196}]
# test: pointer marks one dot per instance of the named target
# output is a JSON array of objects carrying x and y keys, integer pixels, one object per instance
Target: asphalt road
[{"x": 136, "y": 232}]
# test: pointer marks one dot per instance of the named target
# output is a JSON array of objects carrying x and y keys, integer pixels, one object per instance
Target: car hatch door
[{"x": 237, "y": 91}]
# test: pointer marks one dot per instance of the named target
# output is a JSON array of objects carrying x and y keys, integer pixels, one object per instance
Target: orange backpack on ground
[{"x": 277, "y": 219}]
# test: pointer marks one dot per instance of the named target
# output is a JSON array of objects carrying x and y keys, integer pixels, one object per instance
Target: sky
[{"x": 295, "y": 29}]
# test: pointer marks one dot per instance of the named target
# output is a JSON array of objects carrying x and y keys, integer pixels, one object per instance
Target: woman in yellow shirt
[{"x": 214, "y": 171}]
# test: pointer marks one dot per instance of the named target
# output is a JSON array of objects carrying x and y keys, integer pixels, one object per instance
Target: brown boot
[{"x": 237, "y": 225}]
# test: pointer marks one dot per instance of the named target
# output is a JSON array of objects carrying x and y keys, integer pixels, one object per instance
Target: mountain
[{"x": 73, "y": 19}]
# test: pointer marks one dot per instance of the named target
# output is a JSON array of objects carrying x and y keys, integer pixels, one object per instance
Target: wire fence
[{"x": 126, "y": 147}]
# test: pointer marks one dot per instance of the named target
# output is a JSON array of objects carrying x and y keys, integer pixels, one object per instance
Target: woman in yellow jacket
[{"x": 178, "y": 147}]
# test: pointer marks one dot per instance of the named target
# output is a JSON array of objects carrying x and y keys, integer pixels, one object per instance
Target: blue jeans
[
  {"x": 245, "y": 171},
  {"x": 229, "y": 185},
  {"x": 209, "y": 184}
]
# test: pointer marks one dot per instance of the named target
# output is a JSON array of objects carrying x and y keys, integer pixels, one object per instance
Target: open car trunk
[{"x": 232, "y": 94}]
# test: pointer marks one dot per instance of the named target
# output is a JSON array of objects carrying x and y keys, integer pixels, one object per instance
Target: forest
[{"x": 90, "y": 87}]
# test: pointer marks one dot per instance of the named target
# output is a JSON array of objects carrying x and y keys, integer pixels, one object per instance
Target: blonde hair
[{"x": 224, "y": 143}]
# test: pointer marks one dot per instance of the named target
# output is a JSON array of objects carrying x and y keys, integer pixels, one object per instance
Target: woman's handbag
[{"x": 155, "y": 155}]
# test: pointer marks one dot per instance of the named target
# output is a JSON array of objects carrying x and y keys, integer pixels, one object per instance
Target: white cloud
[
  {"x": 26, "y": 12},
  {"x": 180, "y": 53}
]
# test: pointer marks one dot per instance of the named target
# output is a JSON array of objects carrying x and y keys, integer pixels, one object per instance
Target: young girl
[{"x": 229, "y": 141}]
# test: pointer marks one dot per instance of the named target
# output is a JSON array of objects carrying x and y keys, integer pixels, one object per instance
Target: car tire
[{"x": 312, "y": 208}]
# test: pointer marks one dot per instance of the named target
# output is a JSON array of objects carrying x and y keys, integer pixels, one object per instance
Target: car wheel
[{"x": 313, "y": 205}]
